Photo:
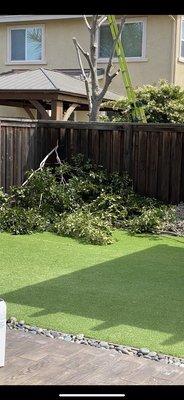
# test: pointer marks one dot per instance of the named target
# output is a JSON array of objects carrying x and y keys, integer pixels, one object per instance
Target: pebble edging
[{"x": 12, "y": 323}]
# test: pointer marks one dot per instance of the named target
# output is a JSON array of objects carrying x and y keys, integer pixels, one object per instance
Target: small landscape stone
[
  {"x": 80, "y": 336},
  {"x": 104, "y": 344},
  {"x": 97, "y": 345},
  {"x": 39, "y": 330},
  {"x": 67, "y": 338},
  {"x": 144, "y": 351},
  {"x": 32, "y": 328},
  {"x": 152, "y": 354},
  {"x": 123, "y": 350},
  {"x": 147, "y": 356},
  {"x": 90, "y": 342},
  {"x": 21, "y": 322},
  {"x": 111, "y": 346},
  {"x": 32, "y": 332},
  {"x": 27, "y": 326},
  {"x": 177, "y": 363},
  {"x": 48, "y": 334},
  {"x": 54, "y": 334},
  {"x": 84, "y": 342},
  {"x": 13, "y": 320},
  {"x": 161, "y": 357}
]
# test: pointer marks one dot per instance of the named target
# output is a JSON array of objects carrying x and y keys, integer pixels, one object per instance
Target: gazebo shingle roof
[{"x": 45, "y": 79}]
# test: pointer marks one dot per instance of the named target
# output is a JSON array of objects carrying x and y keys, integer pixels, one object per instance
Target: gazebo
[{"x": 43, "y": 90}]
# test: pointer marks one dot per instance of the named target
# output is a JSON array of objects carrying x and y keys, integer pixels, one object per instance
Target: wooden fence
[{"x": 152, "y": 154}]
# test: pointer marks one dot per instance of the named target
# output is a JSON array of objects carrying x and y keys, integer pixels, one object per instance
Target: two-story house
[{"x": 153, "y": 44}]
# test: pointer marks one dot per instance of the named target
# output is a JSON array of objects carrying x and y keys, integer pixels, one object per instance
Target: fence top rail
[
  {"x": 108, "y": 126},
  {"x": 15, "y": 122},
  {"x": 111, "y": 126}
]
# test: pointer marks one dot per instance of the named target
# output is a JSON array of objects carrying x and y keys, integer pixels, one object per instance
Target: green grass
[{"x": 131, "y": 292}]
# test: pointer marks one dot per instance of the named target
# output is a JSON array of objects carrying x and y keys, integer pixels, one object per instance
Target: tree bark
[{"x": 94, "y": 112}]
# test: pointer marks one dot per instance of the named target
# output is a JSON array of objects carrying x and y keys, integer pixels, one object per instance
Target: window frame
[
  {"x": 11, "y": 28},
  {"x": 181, "y": 58},
  {"x": 128, "y": 59}
]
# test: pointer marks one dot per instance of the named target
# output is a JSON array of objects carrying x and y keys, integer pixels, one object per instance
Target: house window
[
  {"x": 26, "y": 44},
  {"x": 182, "y": 39},
  {"x": 133, "y": 39}
]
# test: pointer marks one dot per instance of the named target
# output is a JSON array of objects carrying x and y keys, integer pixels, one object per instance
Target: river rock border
[{"x": 13, "y": 323}]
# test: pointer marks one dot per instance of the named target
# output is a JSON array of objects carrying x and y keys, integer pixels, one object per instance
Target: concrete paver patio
[{"x": 38, "y": 360}]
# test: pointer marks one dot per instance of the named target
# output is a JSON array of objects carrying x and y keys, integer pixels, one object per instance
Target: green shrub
[
  {"x": 150, "y": 220},
  {"x": 110, "y": 207},
  {"x": 19, "y": 221},
  {"x": 84, "y": 225},
  {"x": 163, "y": 103},
  {"x": 3, "y": 197}
]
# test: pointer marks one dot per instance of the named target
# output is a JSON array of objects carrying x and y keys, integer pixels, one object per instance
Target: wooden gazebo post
[{"x": 57, "y": 110}]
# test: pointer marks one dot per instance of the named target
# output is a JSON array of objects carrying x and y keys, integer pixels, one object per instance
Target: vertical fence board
[
  {"x": 109, "y": 151},
  {"x": 62, "y": 143},
  {"x": 135, "y": 159},
  {"x": 165, "y": 183},
  {"x": 9, "y": 157},
  {"x": 2, "y": 158},
  {"x": 182, "y": 171},
  {"x": 84, "y": 142},
  {"x": 103, "y": 148},
  {"x": 142, "y": 146},
  {"x": 115, "y": 151},
  {"x": 95, "y": 145},
  {"x": 128, "y": 144},
  {"x": 153, "y": 164},
  {"x": 176, "y": 155},
  {"x": 160, "y": 175}
]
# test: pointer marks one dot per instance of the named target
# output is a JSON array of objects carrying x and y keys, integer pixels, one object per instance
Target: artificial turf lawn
[{"x": 130, "y": 292}]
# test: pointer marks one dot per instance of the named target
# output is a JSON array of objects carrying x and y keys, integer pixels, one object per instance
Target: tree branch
[
  {"x": 86, "y": 81},
  {"x": 85, "y": 53},
  {"x": 87, "y": 23},
  {"x": 77, "y": 47},
  {"x": 87, "y": 56},
  {"x": 101, "y": 20}
]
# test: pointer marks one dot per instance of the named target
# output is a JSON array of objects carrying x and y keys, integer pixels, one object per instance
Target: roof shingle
[{"x": 45, "y": 79}]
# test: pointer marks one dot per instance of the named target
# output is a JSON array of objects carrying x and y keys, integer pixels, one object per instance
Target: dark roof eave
[{"x": 59, "y": 92}]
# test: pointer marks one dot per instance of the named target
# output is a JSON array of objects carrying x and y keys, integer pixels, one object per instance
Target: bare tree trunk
[
  {"x": 94, "y": 113},
  {"x": 95, "y": 94}
]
